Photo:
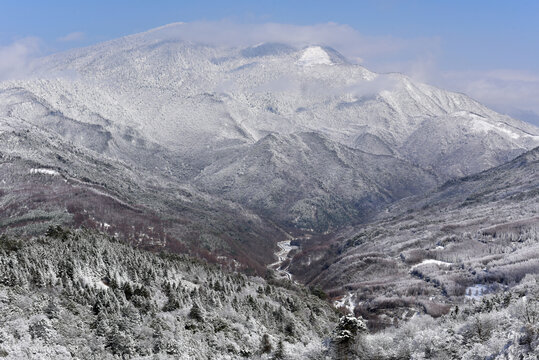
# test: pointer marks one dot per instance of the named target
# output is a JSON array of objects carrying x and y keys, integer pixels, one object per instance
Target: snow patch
[
  {"x": 346, "y": 302},
  {"x": 44, "y": 172},
  {"x": 92, "y": 281},
  {"x": 476, "y": 292},
  {"x": 478, "y": 124},
  {"x": 314, "y": 55},
  {"x": 483, "y": 126},
  {"x": 431, "y": 261}
]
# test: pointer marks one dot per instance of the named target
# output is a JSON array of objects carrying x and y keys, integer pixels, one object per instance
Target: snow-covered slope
[
  {"x": 476, "y": 232},
  {"x": 196, "y": 114},
  {"x": 177, "y": 93},
  {"x": 312, "y": 182}
]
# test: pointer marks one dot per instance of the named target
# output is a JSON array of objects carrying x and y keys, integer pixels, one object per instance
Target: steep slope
[
  {"x": 81, "y": 295},
  {"x": 191, "y": 127},
  {"x": 471, "y": 236},
  {"x": 310, "y": 182},
  {"x": 45, "y": 180}
]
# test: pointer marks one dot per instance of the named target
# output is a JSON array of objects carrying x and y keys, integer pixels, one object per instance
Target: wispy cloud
[
  {"x": 347, "y": 40},
  {"x": 506, "y": 90},
  {"x": 74, "y": 36},
  {"x": 16, "y": 58}
]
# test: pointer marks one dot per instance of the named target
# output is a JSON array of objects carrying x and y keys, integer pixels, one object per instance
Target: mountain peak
[{"x": 316, "y": 55}]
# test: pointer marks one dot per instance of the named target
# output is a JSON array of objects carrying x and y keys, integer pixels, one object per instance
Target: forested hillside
[
  {"x": 504, "y": 326},
  {"x": 83, "y": 295}
]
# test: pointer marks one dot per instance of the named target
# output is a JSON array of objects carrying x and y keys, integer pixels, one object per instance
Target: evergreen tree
[
  {"x": 345, "y": 336},
  {"x": 279, "y": 353},
  {"x": 196, "y": 313},
  {"x": 266, "y": 346}
]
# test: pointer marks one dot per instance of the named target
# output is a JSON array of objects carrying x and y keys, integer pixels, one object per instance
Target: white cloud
[
  {"x": 505, "y": 90},
  {"x": 16, "y": 58},
  {"x": 74, "y": 36},
  {"x": 343, "y": 38},
  {"x": 501, "y": 89},
  {"x": 368, "y": 88},
  {"x": 413, "y": 56}
]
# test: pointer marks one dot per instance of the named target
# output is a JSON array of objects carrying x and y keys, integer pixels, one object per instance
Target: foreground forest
[
  {"x": 83, "y": 295},
  {"x": 80, "y": 294}
]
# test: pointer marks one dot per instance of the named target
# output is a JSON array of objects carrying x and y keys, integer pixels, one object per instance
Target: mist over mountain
[
  {"x": 198, "y": 116},
  {"x": 399, "y": 198}
]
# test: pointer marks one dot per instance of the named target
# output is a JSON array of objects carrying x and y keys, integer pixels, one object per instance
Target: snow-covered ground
[
  {"x": 44, "y": 172},
  {"x": 431, "y": 261},
  {"x": 478, "y": 291},
  {"x": 347, "y": 302}
]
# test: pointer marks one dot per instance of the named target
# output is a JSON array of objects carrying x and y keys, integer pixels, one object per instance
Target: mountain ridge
[
  {"x": 183, "y": 119},
  {"x": 478, "y": 231}
]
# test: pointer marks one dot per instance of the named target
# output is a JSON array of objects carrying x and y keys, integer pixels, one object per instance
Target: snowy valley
[{"x": 162, "y": 198}]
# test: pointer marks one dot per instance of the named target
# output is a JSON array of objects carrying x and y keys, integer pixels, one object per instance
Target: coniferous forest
[{"x": 85, "y": 295}]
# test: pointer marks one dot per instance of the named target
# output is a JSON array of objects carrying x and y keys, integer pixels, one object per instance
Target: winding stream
[{"x": 284, "y": 248}]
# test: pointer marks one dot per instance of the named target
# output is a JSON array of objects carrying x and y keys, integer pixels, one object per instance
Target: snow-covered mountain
[
  {"x": 470, "y": 237},
  {"x": 177, "y": 93},
  {"x": 297, "y": 136}
]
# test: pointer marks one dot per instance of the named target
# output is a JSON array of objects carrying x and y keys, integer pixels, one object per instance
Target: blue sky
[{"x": 488, "y": 49}]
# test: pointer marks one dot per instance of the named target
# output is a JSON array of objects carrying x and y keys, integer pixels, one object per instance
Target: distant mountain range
[{"x": 224, "y": 151}]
